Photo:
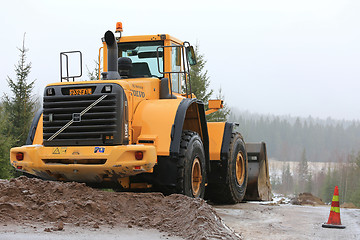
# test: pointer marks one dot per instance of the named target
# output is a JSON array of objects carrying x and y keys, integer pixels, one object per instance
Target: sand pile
[
  {"x": 307, "y": 199},
  {"x": 348, "y": 205},
  {"x": 34, "y": 200}
]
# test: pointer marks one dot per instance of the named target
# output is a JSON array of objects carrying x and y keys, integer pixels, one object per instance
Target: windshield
[{"x": 144, "y": 58}]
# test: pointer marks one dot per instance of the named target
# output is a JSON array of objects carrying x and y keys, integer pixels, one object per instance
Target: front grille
[
  {"x": 74, "y": 161},
  {"x": 103, "y": 124}
]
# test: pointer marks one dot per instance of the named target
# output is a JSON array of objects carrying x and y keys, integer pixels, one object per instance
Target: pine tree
[
  {"x": 287, "y": 179},
  {"x": 94, "y": 74},
  {"x": 200, "y": 83},
  {"x": 327, "y": 189},
  {"x": 222, "y": 114},
  {"x": 5, "y": 143},
  {"x": 355, "y": 180},
  {"x": 357, "y": 161},
  {"x": 199, "y": 78},
  {"x": 303, "y": 171},
  {"x": 20, "y": 106},
  {"x": 309, "y": 183}
]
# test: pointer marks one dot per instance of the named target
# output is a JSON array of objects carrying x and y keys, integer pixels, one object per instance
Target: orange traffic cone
[{"x": 334, "y": 217}]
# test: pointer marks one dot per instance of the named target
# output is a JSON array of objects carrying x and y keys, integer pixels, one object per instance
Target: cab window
[
  {"x": 144, "y": 58},
  {"x": 176, "y": 67}
]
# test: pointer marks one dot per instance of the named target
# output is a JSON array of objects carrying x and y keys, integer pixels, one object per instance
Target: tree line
[
  {"x": 286, "y": 138},
  {"x": 344, "y": 174},
  {"x": 304, "y": 140}
]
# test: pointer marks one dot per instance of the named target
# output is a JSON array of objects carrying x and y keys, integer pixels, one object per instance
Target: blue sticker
[{"x": 99, "y": 150}]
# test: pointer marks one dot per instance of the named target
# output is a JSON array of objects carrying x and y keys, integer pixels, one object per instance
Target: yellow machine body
[{"x": 154, "y": 113}]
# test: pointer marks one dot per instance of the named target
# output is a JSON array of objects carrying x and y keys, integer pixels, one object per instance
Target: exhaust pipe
[{"x": 112, "y": 57}]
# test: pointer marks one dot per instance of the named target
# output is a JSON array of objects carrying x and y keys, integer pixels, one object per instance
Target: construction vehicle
[{"x": 139, "y": 127}]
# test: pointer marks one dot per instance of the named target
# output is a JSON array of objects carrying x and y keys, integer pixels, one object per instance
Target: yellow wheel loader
[{"x": 139, "y": 127}]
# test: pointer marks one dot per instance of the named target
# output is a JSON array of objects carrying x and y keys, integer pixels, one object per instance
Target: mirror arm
[{"x": 212, "y": 111}]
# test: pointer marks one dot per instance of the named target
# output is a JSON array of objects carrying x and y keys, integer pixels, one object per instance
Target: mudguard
[
  {"x": 190, "y": 116},
  {"x": 152, "y": 121},
  {"x": 33, "y": 127}
]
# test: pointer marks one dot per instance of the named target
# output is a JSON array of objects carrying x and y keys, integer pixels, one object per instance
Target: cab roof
[{"x": 143, "y": 38}]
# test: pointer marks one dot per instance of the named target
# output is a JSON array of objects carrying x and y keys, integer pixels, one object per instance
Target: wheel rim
[
  {"x": 240, "y": 168},
  {"x": 196, "y": 177}
]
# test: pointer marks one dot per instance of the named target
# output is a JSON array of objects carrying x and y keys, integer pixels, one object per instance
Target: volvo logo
[{"x": 76, "y": 117}]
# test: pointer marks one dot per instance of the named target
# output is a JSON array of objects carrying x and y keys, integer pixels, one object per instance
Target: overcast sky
[{"x": 281, "y": 57}]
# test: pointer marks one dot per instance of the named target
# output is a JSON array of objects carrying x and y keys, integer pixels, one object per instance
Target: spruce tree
[
  {"x": 327, "y": 188},
  {"x": 94, "y": 74},
  {"x": 199, "y": 78},
  {"x": 5, "y": 143},
  {"x": 222, "y": 114},
  {"x": 19, "y": 107},
  {"x": 287, "y": 179},
  {"x": 303, "y": 172},
  {"x": 309, "y": 183},
  {"x": 200, "y": 86},
  {"x": 355, "y": 180}
]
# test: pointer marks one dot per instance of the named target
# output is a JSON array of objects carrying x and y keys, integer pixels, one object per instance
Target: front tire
[
  {"x": 237, "y": 169},
  {"x": 191, "y": 174},
  {"x": 232, "y": 189}
]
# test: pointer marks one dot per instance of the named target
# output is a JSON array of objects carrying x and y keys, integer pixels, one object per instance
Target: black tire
[
  {"x": 233, "y": 189},
  {"x": 191, "y": 174},
  {"x": 28, "y": 175}
]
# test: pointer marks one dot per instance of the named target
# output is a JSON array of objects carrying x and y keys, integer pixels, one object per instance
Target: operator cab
[
  {"x": 132, "y": 57},
  {"x": 160, "y": 56},
  {"x": 153, "y": 56}
]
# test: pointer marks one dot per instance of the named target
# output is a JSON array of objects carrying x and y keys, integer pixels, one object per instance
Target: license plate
[{"x": 80, "y": 91}]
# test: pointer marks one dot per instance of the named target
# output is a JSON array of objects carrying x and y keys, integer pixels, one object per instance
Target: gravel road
[
  {"x": 258, "y": 221},
  {"x": 36, "y": 232},
  {"x": 36, "y": 209},
  {"x": 252, "y": 220}
]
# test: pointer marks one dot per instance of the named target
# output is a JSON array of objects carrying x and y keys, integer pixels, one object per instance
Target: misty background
[
  {"x": 297, "y": 58},
  {"x": 289, "y": 70}
]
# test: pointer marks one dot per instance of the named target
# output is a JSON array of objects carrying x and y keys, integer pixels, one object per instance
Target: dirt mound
[
  {"x": 307, "y": 199},
  {"x": 34, "y": 200},
  {"x": 348, "y": 205}
]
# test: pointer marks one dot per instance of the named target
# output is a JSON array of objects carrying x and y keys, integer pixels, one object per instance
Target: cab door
[{"x": 177, "y": 68}]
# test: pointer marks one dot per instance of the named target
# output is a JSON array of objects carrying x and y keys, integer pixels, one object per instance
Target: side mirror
[
  {"x": 191, "y": 55},
  {"x": 214, "y": 105}
]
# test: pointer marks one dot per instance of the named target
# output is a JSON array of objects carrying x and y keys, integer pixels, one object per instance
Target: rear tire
[
  {"x": 191, "y": 174},
  {"x": 232, "y": 189}
]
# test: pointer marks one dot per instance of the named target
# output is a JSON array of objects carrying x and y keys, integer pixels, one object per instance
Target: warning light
[
  {"x": 19, "y": 156},
  {"x": 19, "y": 167},
  {"x": 139, "y": 155},
  {"x": 137, "y": 167},
  {"x": 119, "y": 27}
]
